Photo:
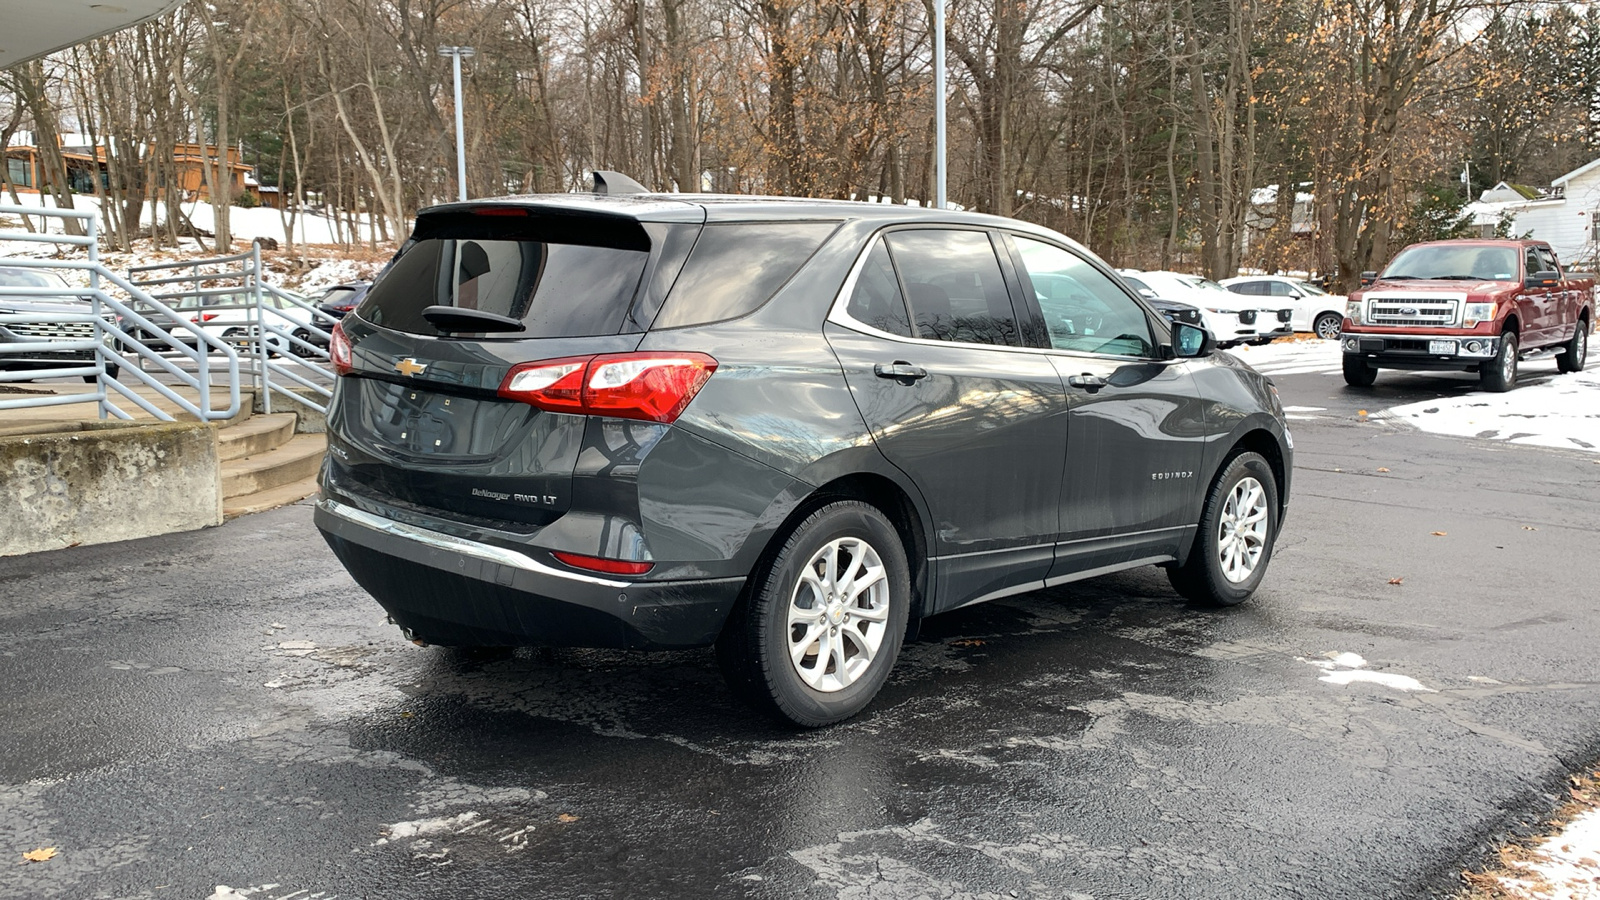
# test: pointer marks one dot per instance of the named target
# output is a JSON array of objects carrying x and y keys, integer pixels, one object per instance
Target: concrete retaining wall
[{"x": 109, "y": 484}]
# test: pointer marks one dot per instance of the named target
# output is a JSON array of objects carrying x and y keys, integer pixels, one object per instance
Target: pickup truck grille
[
  {"x": 57, "y": 331},
  {"x": 1392, "y": 311}
]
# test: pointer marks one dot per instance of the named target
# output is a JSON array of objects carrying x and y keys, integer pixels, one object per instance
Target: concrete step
[
  {"x": 293, "y": 492},
  {"x": 298, "y": 459},
  {"x": 255, "y": 435}
]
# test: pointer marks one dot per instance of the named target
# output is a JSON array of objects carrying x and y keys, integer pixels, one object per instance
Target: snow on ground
[
  {"x": 318, "y": 262},
  {"x": 310, "y": 227},
  {"x": 1562, "y": 412},
  {"x": 1555, "y": 411},
  {"x": 1297, "y": 357},
  {"x": 1565, "y": 866}
]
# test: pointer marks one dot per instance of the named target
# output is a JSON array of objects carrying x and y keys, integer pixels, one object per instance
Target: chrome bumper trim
[{"x": 450, "y": 543}]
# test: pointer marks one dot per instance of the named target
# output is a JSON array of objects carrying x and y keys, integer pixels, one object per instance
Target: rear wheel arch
[{"x": 883, "y": 494}]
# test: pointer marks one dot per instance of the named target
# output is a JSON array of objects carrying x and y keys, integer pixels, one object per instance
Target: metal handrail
[
  {"x": 109, "y": 340},
  {"x": 279, "y": 355}
]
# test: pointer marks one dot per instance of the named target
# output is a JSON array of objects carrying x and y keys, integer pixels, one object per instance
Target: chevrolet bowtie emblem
[{"x": 410, "y": 367}]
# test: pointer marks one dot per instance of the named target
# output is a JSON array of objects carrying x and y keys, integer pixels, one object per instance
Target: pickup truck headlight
[
  {"x": 1352, "y": 310},
  {"x": 1477, "y": 312}
]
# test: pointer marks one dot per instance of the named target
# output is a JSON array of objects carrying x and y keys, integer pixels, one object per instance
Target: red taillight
[
  {"x": 206, "y": 317},
  {"x": 499, "y": 211},
  {"x": 653, "y": 386},
  {"x": 601, "y": 564},
  {"x": 339, "y": 351}
]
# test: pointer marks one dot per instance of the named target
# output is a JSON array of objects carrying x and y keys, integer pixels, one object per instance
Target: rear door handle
[
  {"x": 1090, "y": 383},
  {"x": 900, "y": 370}
]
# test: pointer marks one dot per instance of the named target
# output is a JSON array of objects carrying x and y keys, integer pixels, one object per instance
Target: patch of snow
[
  {"x": 401, "y": 830},
  {"x": 1286, "y": 357},
  {"x": 1565, "y": 866},
  {"x": 1350, "y": 668},
  {"x": 1562, "y": 412}
]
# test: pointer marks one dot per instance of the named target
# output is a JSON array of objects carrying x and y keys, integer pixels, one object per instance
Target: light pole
[
  {"x": 938, "y": 101},
  {"x": 455, "y": 54}
]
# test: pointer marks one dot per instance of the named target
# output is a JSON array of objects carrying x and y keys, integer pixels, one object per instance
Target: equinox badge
[{"x": 410, "y": 367}]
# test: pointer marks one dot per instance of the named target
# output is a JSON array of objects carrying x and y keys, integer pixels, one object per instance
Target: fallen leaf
[
  {"x": 1400, "y": 580},
  {"x": 1382, "y": 469},
  {"x": 1529, "y": 528},
  {"x": 1440, "y": 533},
  {"x": 966, "y": 642},
  {"x": 40, "y": 855},
  {"x": 1361, "y": 412},
  {"x": 566, "y": 818}
]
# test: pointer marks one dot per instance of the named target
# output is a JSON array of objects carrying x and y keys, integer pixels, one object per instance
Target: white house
[{"x": 1567, "y": 216}]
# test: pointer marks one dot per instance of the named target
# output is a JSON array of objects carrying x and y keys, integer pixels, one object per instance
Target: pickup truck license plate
[{"x": 1442, "y": 347}]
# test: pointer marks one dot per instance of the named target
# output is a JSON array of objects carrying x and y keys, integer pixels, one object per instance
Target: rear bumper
[
  {"x": 442, "y": 589},
  {"x": 1420, "y": 351}
]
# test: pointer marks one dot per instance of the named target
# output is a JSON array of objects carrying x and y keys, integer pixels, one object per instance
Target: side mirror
[
  {"x": 1544, "y": 279},
  {"x": 1191, "y": 341},
  {"x": 1368, "y": 278}
]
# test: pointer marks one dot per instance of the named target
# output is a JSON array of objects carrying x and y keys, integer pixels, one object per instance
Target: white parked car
[
  {"x": 1232, "y": 318},
  {"x": 231, "y": 318},
  {"x": 1315, "y": 309}
]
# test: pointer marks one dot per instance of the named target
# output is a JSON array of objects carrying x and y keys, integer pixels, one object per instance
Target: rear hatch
[{"x": 419, "y": 422}]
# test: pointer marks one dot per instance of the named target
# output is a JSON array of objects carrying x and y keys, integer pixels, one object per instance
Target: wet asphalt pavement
[{"x": 226, "y": 708}]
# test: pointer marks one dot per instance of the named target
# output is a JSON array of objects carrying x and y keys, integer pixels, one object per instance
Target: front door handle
[
  {"x": 1090, "y": 383},
  {"x": 900, "y": 370}
]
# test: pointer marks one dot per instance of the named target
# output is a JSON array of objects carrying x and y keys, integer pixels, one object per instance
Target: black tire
[
  {"x": 1358, "y": 372},
  {"x": 1328, "y": 326},
  {"x": 1205, "y": 576},
  {"x": 755, "y": 647},
  {"x": 1577, "y": 350},
  {"x": 1499, "y": 375}
]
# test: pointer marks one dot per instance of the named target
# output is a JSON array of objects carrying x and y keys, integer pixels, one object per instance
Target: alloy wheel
[
  {"x": 838, "y": 614},
  {"x": 1242, "y": 530}
]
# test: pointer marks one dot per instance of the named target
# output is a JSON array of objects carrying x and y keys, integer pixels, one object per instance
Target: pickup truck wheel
[
  {"x": 1499, "y": 375},
  {"x": 1328, "y": 326},
  {"x": 1577, "y": 350},
  {"x": 1237, "y": 530},
  {"x": 1358, "y": 372},
  {"x": 823, "y": 619}
]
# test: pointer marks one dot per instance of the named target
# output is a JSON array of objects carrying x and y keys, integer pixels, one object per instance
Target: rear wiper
[{"x": 455, "y": 318}]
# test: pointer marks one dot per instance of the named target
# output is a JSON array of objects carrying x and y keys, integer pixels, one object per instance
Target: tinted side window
[
  {"x": 558, "y": 290},
  {"x": 735, "y": 268},
  {"x": 954, "y": 286},
  {"x": 1083, "y": 309},
  {"x": 876, "y": 300},
  {"x": 1280, "y": 289},
  {"x": 1547, "y": 260},
  {"x": 1248, "y": 288}
]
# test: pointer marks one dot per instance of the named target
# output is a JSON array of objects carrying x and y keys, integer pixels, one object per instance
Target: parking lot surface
[{"x": 1416, "y": 675}]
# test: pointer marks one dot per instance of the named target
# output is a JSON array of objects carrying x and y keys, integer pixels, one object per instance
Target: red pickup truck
[{"x": 1468, "y": 305}]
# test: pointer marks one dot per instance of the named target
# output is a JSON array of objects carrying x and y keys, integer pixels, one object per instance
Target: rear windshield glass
[
  {"x": 737, "y": 267},
  {"x": 557, "y": 290}
]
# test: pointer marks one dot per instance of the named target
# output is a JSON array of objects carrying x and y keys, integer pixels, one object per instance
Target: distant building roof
[{"x": 1581, "y": 170}]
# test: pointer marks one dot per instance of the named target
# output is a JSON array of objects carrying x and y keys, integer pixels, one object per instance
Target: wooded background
[{"x": 1140, "y": 127}]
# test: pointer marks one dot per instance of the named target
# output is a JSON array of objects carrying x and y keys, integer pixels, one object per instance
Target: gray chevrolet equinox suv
[{"x": 789, "y": 428}]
